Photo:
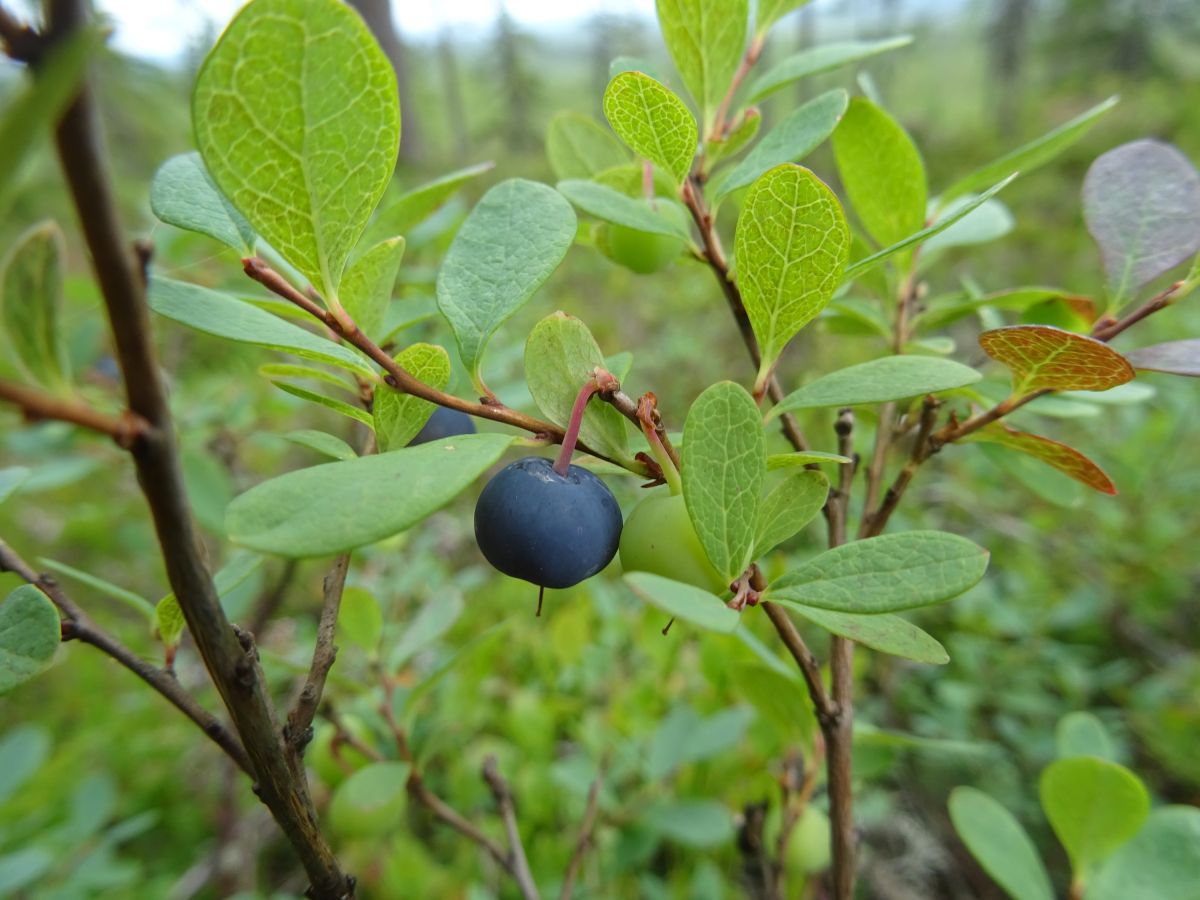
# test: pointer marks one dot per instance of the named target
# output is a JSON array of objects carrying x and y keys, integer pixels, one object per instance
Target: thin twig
[
  {"x": 77, "y": 625},
  {"x": 228, "y": 654},
  {"x": 719, "y": 128},
  {"x": 586, "y": 827},
  {"x": 298, "y": 731},
  {"x": 508, "y": 814},
  {"x": 397, "y": 376},
  {"x": 38, "y": 405}
]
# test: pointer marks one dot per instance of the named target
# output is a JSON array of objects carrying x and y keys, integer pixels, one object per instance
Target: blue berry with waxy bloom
[
  {"x": 445, "y": 422},
  {"x": 551, "y": 529}
]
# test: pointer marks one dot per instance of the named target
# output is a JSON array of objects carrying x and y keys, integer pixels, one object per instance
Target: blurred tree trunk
[
  {"x": 378, "y": 16},
  {"x": 1008, "y": 39},
  {"x": 456, "y": 111},
  {"x": 517, "y": 128}
]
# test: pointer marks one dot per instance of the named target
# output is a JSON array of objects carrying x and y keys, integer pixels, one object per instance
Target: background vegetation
[{"x": 1090, "y": 605}]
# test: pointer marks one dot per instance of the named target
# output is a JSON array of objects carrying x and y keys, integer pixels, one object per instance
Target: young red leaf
[
  {"x": 1173, "y": 357},
  {"x": 1066, "y": 459},
  {"x": 1045, "y": 357}
]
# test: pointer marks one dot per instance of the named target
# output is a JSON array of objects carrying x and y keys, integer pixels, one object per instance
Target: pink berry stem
[{"x": 571, "y": 438}]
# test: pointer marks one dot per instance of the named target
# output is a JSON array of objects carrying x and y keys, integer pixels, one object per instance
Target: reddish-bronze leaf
[
  {"x": 1173, "y": 357},
  {"x": 1066, "y": 459},
  {"x": 1042, "y": 356}
]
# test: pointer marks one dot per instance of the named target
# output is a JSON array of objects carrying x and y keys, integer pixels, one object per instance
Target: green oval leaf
[
  {"x": 705, "y": 39},
  {"x": 512, "y": 241},
  {"x": 560, "y": 355},
  {"x": 1029, "y": 156},
  {"x": 30, "y": 299},
  {"x": 30, "y": 631},
  {"x": 1044, "y": 357},
  {"x": 1173, "y": 357},
  {"x": 1160, "y": 862},
  {"x": 1141, "y": 202},
  {"x": 338, "y": 506},
  {"x": 1094, "y": 806},
  {"x": 611, "y": 205},
  {"x": 435, "y": 618},
  {"x": 399, "y": 416},
  {"x": 227, "y": 317},
  {"x": 1000, "y": 845},
  {"x": 815, "y": 60},
  {"x": 1082, "y": 734},
  {"x": 580, "y": 147},
  {"x": 884, "y": 574},
  {"x": 885, "y": 633},
  {"x": 881, "y": 171},
  {"x": 792, "y": 243},
  {"x": 797, "y": 134},
  {"x": 879, "y": 381},
  {"x": 296, "y": 114},
  {"x": 724, "y": 462},
  {"x": 367, "y": 286},
  {"x": 183, "y": 194},
  {"x": 684, "y": 601},
  {"x": 693, "y": 823},
  {"x": 652, "y": 122},
  {"x": 793, "y": 503}
]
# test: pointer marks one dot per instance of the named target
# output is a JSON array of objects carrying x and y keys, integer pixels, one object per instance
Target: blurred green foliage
[{"x": 1090, "y": 605}]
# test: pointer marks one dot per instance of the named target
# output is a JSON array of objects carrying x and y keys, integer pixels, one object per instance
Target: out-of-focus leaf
[
  {"x": 30, "y": 299},
  {"x": 414, "y": 206},
  {"x": 1141, "y": 202},
  {"x": 815, "y": 60},
  {"x": 878, "y": 381},
  {"x": 1173, "y": 357},
  {"x": 580, "y": 147},
  {"x": 1001, "y": 846},
  {"x": 29, "y": 636},
  {"x": 1161, "y": 861}
]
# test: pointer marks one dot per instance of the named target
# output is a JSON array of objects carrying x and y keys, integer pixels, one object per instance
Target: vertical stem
[{"x": 571, "y": 437}]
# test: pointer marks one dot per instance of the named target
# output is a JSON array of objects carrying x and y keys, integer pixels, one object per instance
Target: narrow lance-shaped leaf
[
  {"x": 611, "y": 205},
  {"x": 885, "y": 574},
  {"x": 1043, "y": 357},
  {"x": 30, "y": 297},
  {"x": 1065, "y": 458},
  {"x": 684, "y": 601},
  {"x": 1001, "y": 846},
  {"x": 1029, "y": 156},
  {"x": 560, "y": 355},
  {"x": 791, "y": 505},
  {"x": 399, "y": 416},
  {"x": 879, "y": 381},
  {"x": 792, "y": 242},
  {"x": 506, "y": 249},
  {"x": 338, "y": 506},
  {"x": 367, "y": 288},
  {"x": 1094, "y": 806},
  {"x": 1173, "y": 357},
  {"x": 724, "y": 462},
  {"x": 414, "y": 206},
  {"x": 321, "y": 442},
  {"x": 796, "y": 135},
  {"x": 815, "y": 60},
  {"x": 882, "y": 172},
  {"x": 219, "y": 314},
  {"x": 859, "y": 267},
  {"x": 29, "y": 636},
  {"x": 341, "y": 407},
  {"x": 652, "y": 122},
  {"x": 580, "y": 147},
  {"x": 705, "y": 39},
  {"x": 296, "y": 115},
  {"x": 1141, "y": 203},
  {"x": 183, "y": 194},
  {"x": 883, "y": 632}
]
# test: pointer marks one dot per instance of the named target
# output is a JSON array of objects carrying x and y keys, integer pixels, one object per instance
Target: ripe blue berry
[
  {"x": 445, "y": 422},
  {"x": 549, "y": 529}
]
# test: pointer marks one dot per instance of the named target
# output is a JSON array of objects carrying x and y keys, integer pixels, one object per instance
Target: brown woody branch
[
  {"x": 228, "y": 655},
  {"x": 37, "y": 405},
  {"x": 78, "y": 626},
  {"x": 586, "y": 827},
  {"x": 298, "y": 730},
  {"x": 502, "y": 793}
]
